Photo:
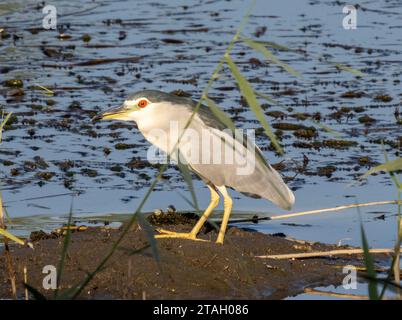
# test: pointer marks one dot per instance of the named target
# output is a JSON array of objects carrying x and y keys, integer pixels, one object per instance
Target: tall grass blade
[
  {"x": 397, "y": 265},
  {"x": 350, "y": 70},
  {"x": 269, "y": 99},
  {"x": 327, "y": 129},
  {"x": 277, "y": 103},
  {"x": 269, "y": 55},
  {"x": 394, "y": 270},
  {"x": 185, "y": 172},
  {"x": 149, "y": 232},
  {"x": 187, "y": 200},
  {"x": 390, "y": 284},
  {"x": 66, "y": 244},
  {"x": 6, "y": 234},
  {"x": 229, "y": 123},
  {"x": 393, "y": 175},
  {"x": 388, "y": 280},
  {"x": 35, "y": 293},
  {"x": 132, "y": 252},
  {"x": 10, "y": 236},
  {"x": 274, "y": 45},
  {"x": 369, "y": 262},
  {"x": 47, "y": 90},
  {"x": 220, "y": 114},
  {"x": 248, "y": 92},
  {"x": 340, "y": 66},
  {"x": 7, "y": 215},
  {"x": 3, "y": 123},
  {"x": 388, "y": 166}
]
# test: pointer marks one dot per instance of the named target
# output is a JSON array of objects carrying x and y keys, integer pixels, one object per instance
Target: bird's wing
[
  {"x": 209, "y": 118},
  {"x": 212, "y": 121},
  {"x": 265, "y": 181}
]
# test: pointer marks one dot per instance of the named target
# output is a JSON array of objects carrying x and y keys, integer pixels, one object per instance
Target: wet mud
[{"x": 182, "y": 269}]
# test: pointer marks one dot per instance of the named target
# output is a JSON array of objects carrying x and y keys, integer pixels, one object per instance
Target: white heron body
[
  {"x": 163, "y": 123},
  {"x": 206, "y": 146}
]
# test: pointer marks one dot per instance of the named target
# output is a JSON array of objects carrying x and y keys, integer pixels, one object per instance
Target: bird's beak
[{"x": 112, "y": 113}]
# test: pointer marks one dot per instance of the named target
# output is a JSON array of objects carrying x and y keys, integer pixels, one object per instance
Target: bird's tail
[
  {"x": 282, "y": 196},
  {"x": 266, "y": 183},
  {"x": 275, "y": 189},
  {"x": 279, "y": 193}
]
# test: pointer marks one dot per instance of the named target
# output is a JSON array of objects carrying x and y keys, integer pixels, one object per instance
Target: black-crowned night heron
[{"x": 163, "y": 119}]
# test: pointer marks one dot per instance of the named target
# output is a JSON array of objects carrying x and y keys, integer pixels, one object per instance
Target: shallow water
[
  {"x": 179, "y": 44},
  {"x": 361, "y": 290}
]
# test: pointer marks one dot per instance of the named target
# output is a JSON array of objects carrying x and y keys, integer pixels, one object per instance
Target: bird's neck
[{"x": 163, "y": 126}]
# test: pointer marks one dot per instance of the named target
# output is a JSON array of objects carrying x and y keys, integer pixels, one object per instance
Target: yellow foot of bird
[{"x": 178, "y": 235}]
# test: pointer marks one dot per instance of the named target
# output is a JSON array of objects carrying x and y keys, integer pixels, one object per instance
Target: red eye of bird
[{"x": 142, "y": 103}]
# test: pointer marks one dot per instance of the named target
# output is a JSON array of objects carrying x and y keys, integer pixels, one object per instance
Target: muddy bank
[{"x": 187, "y": 269}]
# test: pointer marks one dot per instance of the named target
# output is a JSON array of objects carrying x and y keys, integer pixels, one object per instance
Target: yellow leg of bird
[
  {"x": 192, "y": 235},
  {"x": 227, "y": 205}
]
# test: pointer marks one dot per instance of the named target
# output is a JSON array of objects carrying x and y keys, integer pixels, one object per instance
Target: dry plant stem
[
  {"x": 26, "y": 282},
  {"x": 339, "y": 208},
  {"x": 397, "y": 265},
  {"x": 364, "y": 269},
  {"x": 303, "y": 213},
  {"x": 397, "y": 268},
  {"x": 323, "y": 254},
  {"x": 334, "y": 294},
  {"x": 9, "y": 261}
]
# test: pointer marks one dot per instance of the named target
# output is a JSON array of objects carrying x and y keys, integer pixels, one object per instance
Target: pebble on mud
[{"x": 12, "y": 120}]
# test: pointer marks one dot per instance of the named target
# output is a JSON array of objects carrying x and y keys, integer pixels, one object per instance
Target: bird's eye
[{"x": 142, "y": 103}]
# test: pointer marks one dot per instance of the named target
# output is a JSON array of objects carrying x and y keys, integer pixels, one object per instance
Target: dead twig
[
  {"x": 9, "y": 261},
  {"x": 26, "y": 282},
  {"x": 338, "y": 208},
  {"x": 256, "y": 219},
  {"x": 364, "y": 269},
  {"x": 323, "y": 254},
  {"x": 335, "y": 294}
]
